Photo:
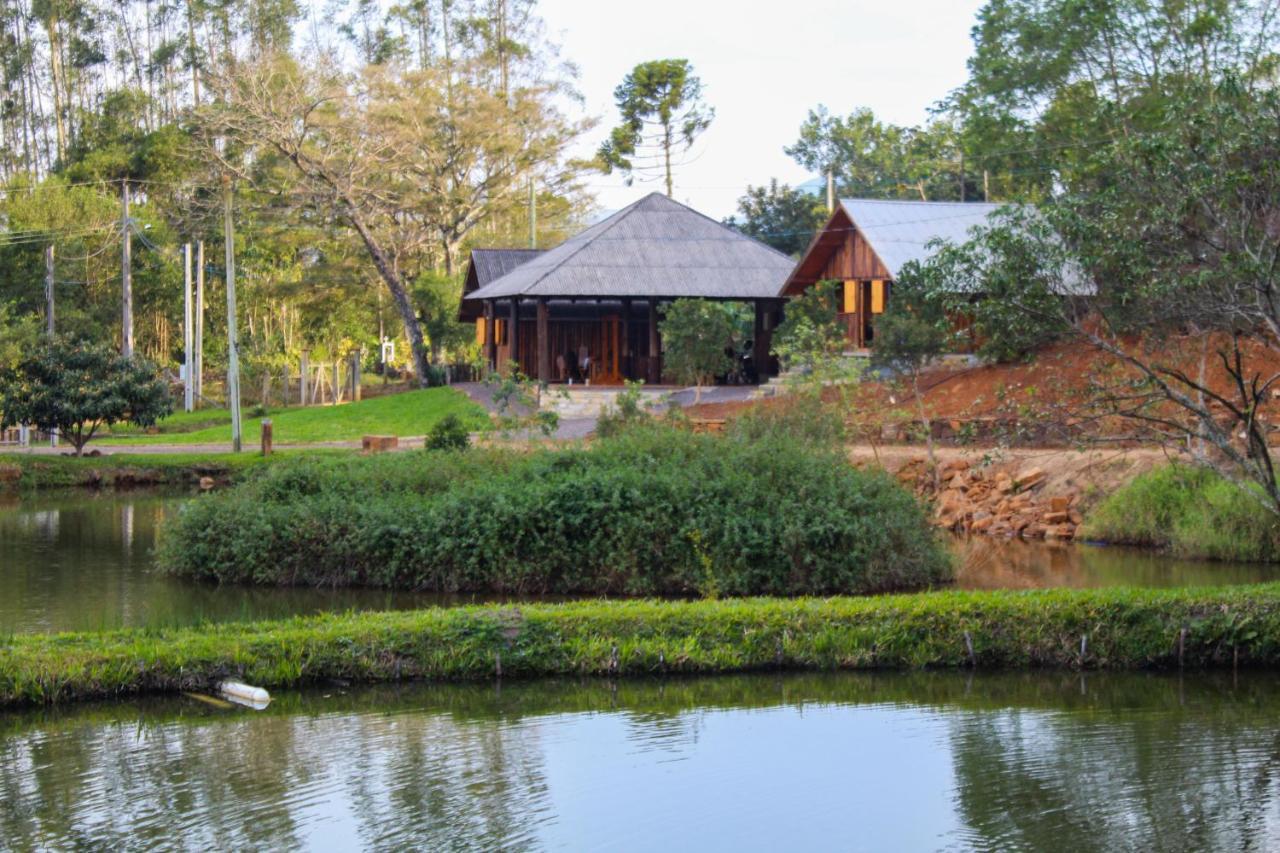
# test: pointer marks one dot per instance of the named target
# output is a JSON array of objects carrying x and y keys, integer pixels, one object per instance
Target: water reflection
[
  {"x": 83, "y": 561},
  {"x": 850, "y": 761}
]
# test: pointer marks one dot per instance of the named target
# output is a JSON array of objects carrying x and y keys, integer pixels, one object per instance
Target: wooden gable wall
[{"x": 839, "y": 252}]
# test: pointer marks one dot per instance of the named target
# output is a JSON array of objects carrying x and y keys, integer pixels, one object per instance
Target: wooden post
[
  {"x": 490, "y": 335},
  {"x": 284, "y": 392},
  {"x": 337, "y": 378},
  {"x": 762, "y": 340},
  {"x": 513, "y": 334},
  {"x": 655, "y": 345},
  {"x": 304, "y": 378},
  {"x": 266, "y": 436},
  {"x": 126, "y": 274},
  {"x": 626, "y": 340},
  {"x": 543, "y": 342},
  {"x": 356, "y": 394}
]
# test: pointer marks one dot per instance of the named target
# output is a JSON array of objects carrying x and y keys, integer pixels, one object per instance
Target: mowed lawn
[{"x": 410, "y": 413}]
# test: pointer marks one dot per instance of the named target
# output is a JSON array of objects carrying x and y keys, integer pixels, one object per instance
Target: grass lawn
[{"x": 410, "y": 413}]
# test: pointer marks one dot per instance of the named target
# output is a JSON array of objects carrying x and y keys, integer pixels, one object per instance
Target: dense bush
[
  {"x": 1191, "y": 512},
  {"x": 448, "y": 433},
  {"x": 653, "y": 511}
]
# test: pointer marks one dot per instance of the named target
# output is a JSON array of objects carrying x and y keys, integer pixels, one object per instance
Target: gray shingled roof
[
  {"x": 899, "y": 231},
  {"x": 654, "y": 247},
  {"x": 492, "y": 264}
]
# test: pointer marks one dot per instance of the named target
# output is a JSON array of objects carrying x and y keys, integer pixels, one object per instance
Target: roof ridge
[
  {"x": 608, "y": 223},
  {"x": 919, "y": 201}
]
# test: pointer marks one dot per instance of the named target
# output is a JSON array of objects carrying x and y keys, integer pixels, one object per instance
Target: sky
[{"x": 763, "y": 66}]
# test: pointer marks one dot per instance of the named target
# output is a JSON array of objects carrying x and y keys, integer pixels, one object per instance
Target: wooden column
[
  {"x": 626, "y": 340},
  {"x": 490, "y": 335},
  {"x": 542, "y": 344},
  {"x": 762, "y": 338},
  {"x": 513, "y": 334},
  {"x": 654, "y": 376}
]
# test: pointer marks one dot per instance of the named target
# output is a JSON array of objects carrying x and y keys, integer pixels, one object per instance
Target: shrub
[
  {"x": 448, "y": 433},
  {"x": 654, "y": 510},
  {"x": 628, "y": 410},
  {"x": 1191, "y": 512}
]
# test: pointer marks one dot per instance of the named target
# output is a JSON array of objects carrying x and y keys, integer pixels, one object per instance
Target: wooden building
[
  {"x": 866, "y": 242},
  {"x": 589, "y": 309}
]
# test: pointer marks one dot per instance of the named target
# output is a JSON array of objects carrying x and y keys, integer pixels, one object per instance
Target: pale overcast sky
[{"x": 763, "y": 66}]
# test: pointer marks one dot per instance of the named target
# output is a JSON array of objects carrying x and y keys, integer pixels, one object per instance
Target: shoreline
[{"x": 1096, "y": 629}]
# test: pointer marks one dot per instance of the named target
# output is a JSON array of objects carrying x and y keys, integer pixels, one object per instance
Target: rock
[
  {"x": 950, "y": 503},
  {"x": 1030, "y": 478},
  {"x": 1055, "y": 517},
  {"x": 1059, "y": 503},
  {"x": 1075, "y": 517},
  {"x": 1004, "y": 484},
  {"x": 379, "y": 443},
  {"x": 206, "y": 483}
]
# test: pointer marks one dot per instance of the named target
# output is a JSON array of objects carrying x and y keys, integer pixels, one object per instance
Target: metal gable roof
[
  {"x": 653, "y": 247},
  {"x": 900, "y": 231}
]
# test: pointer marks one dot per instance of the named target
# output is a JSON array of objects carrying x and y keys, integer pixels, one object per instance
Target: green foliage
[
  {"x": 448, "y": 433},
  {"x": 914, "y": 327},
  {"x": 628, "y": 410},
  {"x": 805, "y": 419},
  {"x": 1126, "y": 629},
  {"x": 810, "y": 333},
  {"x": 695, "y": 334},
  {"x": 518, "y": 402},
  {"x": 779, "y": 216},
  {"x": 637, "y": 514},
  {"x": 1190, "y": 512},
  {"x": 661, "y": 106},
  {"x": 77, "y": 388}
]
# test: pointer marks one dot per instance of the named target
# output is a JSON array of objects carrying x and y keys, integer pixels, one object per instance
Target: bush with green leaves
[
  {"x": 1190, "y": 512},
  {"x": 810, "y": 334},
  {"x": 695, "y": 336},
  {"x": 652, "y": 511},
  {"x": 78, "y": 388},
  {"x": 628, "y": 410},
  {"x": 448, "y": 433}
]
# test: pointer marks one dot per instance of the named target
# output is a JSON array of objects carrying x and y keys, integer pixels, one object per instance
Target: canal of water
[
  {"x": 83, "y": 561},
  {"x": 847, "y": 761}
]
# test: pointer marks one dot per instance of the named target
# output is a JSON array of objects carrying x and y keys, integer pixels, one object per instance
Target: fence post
[
  {"x": 305, "y": 375},
  {"x": 266, "y": 436},
  {"x": 356, "y": 394}
]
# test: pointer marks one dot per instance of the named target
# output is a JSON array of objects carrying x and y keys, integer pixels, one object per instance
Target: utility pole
[
  {"x": 188, "y": 334},
  {"x": 198, "y": 355},
  {"x": 126, "y": 273},
  {"x": 831, "y": 191},
  {"x": 48, "y": 289},
  {"x": 233, "y": 356},
  {"x": 533, "y": 216}
]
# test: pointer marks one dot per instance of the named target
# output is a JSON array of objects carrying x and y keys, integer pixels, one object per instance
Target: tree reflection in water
[{"x": 1039, "y": 761}]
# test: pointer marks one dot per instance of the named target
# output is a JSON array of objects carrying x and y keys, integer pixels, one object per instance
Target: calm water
[
  {"x": 84, "y": 561},
  {"x": 838, "y": 761}
]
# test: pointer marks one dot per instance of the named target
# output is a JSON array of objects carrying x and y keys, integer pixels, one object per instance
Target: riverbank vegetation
[
  {"x": 1094, "y": 629},
  {"x": 22, "y": 472},
  {"x": 1189, "y": 512},
  {"x": 654, "y": 511}
]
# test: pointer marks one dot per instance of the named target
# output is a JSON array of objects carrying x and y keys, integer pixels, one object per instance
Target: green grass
[
  {"x": 410, "y": 413},
  {"x": 1189, "y": 512},
  {"x": 1125, "y": 629},
  {"x": 26, "y": 472}
]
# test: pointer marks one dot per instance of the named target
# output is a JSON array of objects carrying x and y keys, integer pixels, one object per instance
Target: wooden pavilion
[
  {"x": 864, "y": 245},
  {"x": 589, "y": 308}
]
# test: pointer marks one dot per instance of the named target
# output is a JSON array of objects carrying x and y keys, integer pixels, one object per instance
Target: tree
[
  {"x": 662, "y": 111},
  {"x": 76, "y": 388},
  {"x": 913, "y": 330},
  {"x": 695, "y": 336},
  {"x": 779, "y": 216},
  {"x": 411, "y": 161},
  {"x": 868, "y": 158},
  {"x": 810, "y": 334}
]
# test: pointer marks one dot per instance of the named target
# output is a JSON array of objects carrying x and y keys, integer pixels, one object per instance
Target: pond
[
  {"x": 856, "y": 761},
  {"x": 83, "y": 561}
]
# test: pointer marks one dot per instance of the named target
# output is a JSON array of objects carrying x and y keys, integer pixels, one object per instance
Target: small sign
[{"x": 388, "y": 350}]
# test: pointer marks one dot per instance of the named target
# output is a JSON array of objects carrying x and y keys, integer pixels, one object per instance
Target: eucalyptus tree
[{"x": 663, "y": 112}]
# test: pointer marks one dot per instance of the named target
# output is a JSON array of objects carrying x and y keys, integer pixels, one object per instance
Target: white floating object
[{"x": 245, "y": 694}]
